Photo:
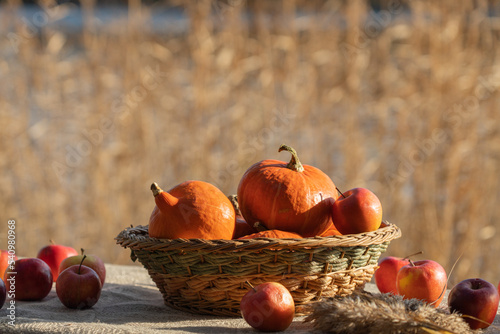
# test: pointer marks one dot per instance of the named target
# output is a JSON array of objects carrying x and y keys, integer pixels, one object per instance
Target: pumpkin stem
[
  {"x": 155, "y": 188},
  {"x": 294, "y": 163},
  {"x": 234, "y": 201},
  {"x": 163, "y": 199}
]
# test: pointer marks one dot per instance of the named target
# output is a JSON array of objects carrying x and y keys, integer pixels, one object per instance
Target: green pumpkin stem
[{"x": 294, "y": 163}]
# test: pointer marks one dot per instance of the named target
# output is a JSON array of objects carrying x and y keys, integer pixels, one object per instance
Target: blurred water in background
[{"x": 69, "y": 17}]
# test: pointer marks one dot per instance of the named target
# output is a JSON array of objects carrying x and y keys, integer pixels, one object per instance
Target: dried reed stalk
[{"x": 404, "y": 103}]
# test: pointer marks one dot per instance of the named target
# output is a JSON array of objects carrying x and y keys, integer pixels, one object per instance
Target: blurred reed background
[{"x": 401, "y": 99}]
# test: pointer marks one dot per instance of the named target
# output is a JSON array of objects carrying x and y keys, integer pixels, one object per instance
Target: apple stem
[
  {"x": 340, "y": 192},
  {"x": 407, "y": 257},
  {"x": 411, "y": 263},
  {"x": 80, "y": 267},
  {"x": 251, "y": 286},
  {"x": 51, "y": 242},
  {"x": 82, "y": 250}
]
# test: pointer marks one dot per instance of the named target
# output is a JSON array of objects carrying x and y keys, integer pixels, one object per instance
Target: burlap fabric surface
[{"x": 129, "y": 303}]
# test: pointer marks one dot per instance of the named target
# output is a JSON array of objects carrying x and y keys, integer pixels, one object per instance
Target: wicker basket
[{"x": 209, "y": 276}]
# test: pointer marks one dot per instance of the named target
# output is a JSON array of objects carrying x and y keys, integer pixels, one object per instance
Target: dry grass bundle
[{"x": 364, "y": 312}]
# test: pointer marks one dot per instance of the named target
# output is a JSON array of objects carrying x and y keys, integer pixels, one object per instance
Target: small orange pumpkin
[
  {"x": 331, "y": 230},
  {"x": 287, "y": 196},
  {"x": 272, "y": 234},
  {"x": 191, "y": 210}
]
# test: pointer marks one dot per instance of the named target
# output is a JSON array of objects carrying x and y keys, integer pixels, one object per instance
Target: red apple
[
  {"x": 268, "y": 307},
  {"x": 3, "y": 293},
  {"x": 53, "y": 256},
  {"x": 28, "y": 279},
  {"x": 358, "y": 210},
  {"x": 4, "y": 260},
  {"x": 78, "y": 287},
  {"x": 91, "y": 261},
  {"x": 425, "y": 280},
  {"x": 477, "y": 298},
  {"x": 385, "y": 275}
]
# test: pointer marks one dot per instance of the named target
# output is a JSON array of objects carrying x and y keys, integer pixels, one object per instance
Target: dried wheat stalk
[{"x": 364, "y": 312}]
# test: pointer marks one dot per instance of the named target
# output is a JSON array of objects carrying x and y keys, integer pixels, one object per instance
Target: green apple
[{"x": 91, "y": 261}]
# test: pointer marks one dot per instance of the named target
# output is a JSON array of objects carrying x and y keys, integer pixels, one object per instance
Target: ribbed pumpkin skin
[
  {"x": 201, "y": 212},
  {"x": 272, "y": 234},
  {"x": 284, "y": 199}
]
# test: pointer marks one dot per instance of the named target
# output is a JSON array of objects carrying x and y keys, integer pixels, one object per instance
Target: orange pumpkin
[
  {"x": 287, "y": 196},
  {"x": 331, "y": 230},
  {"x": 272, "y": 234},
  {"x": 192, "y": 209}
]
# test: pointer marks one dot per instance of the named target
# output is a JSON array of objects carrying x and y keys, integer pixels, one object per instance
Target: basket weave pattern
[{"x": 209, "y": 276}]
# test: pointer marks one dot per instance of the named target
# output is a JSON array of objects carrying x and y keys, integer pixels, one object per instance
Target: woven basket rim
[{"x": 137, "y": 238}]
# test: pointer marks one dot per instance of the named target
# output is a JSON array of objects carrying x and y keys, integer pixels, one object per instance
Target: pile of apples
[
  {"x": 78, "y": 278},
  {"x": 475, "y": 299}
]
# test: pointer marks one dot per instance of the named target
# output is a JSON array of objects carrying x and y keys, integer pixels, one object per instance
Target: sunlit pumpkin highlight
[
  {"x": 287, "y": 196},
  {"x": 192, "y": 209}
]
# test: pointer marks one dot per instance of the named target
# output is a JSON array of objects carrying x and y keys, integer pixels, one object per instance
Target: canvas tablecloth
[{"x": 130, "y": 303}]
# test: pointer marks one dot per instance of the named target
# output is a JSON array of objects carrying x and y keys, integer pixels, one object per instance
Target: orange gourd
[
  {"x": 272, "y": 234},
  {"x": 191, "y": 210},
  {"x": 287, "y": 196},
  {"x": 331, "y": 230}
]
